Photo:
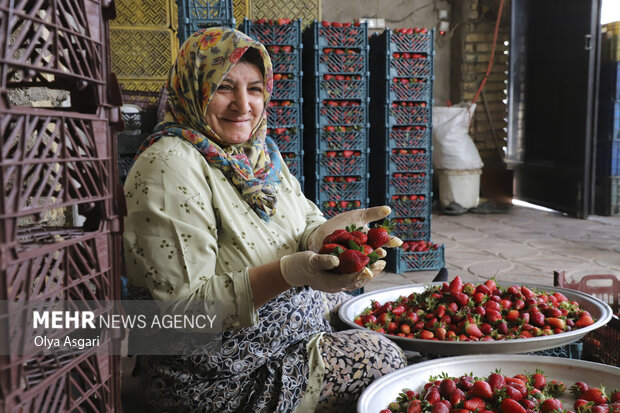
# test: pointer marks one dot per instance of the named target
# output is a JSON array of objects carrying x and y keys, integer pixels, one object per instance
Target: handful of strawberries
[{"x": 354, "y": 248}]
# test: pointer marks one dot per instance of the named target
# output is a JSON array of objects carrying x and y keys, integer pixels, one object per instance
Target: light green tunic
[{"x": 190, "y": 235}]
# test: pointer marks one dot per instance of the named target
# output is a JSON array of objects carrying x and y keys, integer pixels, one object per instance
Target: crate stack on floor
[
  {"x": 282, "y": 38},
  {"x": 336, "y": 136},
  {"x": 607, "y": 193},
  {"x": 401, "y": 157},
  {"x": 60, "y": 225},
  {"x": 198, "y": 14}
]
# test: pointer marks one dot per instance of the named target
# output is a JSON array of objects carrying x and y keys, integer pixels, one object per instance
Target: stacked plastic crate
[
  {"x": 401, "y": 160},
  {"x": 282, "y": 38},
  {"x": 608, "y": 140},
  {"x": 337, "y": 124},
  {"x": 57, "y": 163},
  {"x": 198, "y": 14}
]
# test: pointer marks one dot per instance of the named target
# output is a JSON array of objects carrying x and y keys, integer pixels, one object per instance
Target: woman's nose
[{"x": 241, "y": 101}]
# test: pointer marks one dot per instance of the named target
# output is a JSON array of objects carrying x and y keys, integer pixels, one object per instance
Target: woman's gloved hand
[
  {"x": 309, "y": 268},
  {"x": 358, "y": 217}
]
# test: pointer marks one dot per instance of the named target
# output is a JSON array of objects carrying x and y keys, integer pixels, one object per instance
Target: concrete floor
[{"x": 522, "y": 245}]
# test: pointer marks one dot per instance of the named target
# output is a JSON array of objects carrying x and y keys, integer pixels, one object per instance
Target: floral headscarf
[{"x": 202, "y": 64}]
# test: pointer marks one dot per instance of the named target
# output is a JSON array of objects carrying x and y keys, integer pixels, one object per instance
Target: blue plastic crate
[
  {"x": 187, "y": 27},
  {"x": 343, "y": 115},
  {"x": 270, "y": 34},
  {"x": 405, "y": 185},
  {"x": 609, "y": 121},
  {"x": 400, "y": 261},
  {"x": 413, "y": 230},
  {"x": 337, "y": 191},
  {"x": 346, "y": 63},
  {"x": 192, "y": 10},
  {"x": 414, "y": 138},
  {"x": 571, "y": 351},
  {"x": 341, "y": 206},
  {"x": 341, "y": 89},
  {"x": 609, "y": 85},
  {"x": 406, "y": 208},
  {"x": 350, "y": 37},
  {"x": 406, "y": 115},
  {"x": 284, "y": 116},
  {"x": 287, "y": 89},
  {"x": 608, "y": 158},
  {"x": 294, "y": 161},
  {"x": 410, "y": 162},
  {"x": 410, "y": 91},
  {"x": 411, "y": 68},
  {"x": 288, "y": 140},
  {"x": 412, "y": 43},
  {"x": 286, "y": 62},
  {"x": 341, "y": 165},
  {"x": 338, "y": 138}
]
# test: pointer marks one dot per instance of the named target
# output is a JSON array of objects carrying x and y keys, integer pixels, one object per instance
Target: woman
[{"x": 213, "y": 213}]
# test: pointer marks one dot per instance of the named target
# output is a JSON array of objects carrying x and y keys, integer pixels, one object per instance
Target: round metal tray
[
  {"x": 597, "y": 308},
  {"x": 381, "y": 392}
]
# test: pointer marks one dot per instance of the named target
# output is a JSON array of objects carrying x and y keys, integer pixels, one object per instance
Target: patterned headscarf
[{"x": 202, "y": 64}]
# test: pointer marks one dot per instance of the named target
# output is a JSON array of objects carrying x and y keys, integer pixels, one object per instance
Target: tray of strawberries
[
  {"x": 496, "y": 383},
  {"x": 459, "y": 318}
]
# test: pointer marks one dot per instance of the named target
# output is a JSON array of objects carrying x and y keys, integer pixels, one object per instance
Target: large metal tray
[
  {"x": 385, "y": 390},
  {"x": 599, "y": 310}
]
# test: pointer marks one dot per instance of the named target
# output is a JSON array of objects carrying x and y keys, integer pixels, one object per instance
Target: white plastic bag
[{"x": 453, "y": 148}]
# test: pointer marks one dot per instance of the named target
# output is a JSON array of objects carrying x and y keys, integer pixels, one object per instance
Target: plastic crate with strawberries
[
  {"x": 336, "y": 139},
  {"x": 282, "y": 38},
  {"x": 401, "y": 135}
]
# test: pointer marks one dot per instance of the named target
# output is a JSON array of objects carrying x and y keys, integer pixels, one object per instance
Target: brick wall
[{"x": 471, "y": 51}]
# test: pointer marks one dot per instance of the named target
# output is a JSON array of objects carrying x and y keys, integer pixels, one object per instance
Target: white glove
[
  {"x": 359, "y": 217},
  {"x": 309, "y": 268}
]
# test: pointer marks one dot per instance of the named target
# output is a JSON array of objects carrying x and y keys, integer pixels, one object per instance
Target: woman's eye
[{"x": 224, "y": 87}]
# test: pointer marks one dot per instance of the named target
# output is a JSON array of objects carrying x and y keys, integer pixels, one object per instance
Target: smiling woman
[{"x": 214, "y": 215}]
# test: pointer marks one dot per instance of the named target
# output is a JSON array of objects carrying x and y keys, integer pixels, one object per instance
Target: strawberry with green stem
[{"x": 380, "y": 234}]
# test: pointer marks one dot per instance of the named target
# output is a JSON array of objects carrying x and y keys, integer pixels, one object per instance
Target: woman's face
[{"x": 237, "y": 105}]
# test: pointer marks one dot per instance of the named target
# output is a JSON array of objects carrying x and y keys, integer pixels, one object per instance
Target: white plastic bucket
[{"x": 459, "y": 185}]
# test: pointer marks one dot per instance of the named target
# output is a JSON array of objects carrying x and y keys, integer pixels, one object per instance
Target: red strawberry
[
  {"x": 352, "y": 261},
  {"x": 538, "y": 380},
  {"x": 582, "y": 405},
  {"x": 601, "y": 408},
  {"x": 457, "y": 397},
  {"x": 595, "y": 395},
  {"x": 615, "y": 396},
  {"x": 335, "y": 249},
  {"x": 380, "y": 235},
  {"x": 358, "y": 236},
  {"x": 481, "y": 388},
  {"x": 440, "y": 408},
  {"x": 414, "y": 406},
  {"x": 465, "y": 383},
  {"x": 339, "y": 236},
  {"x": 550, "y": 405},
  {"x": 511, "y": 406},
  {"x": 584, "y": 321},
  {"x": 497, "y": 381},
  {"x": 475, "y": 403},
  {"x": 461, "y": 298},
  {"x": 456, "y": 285},
  {"x": 578, "y": 388},
  {"x": 513, "y": 393},
  {"x": 446, "y": 388},
  {"x": 432, "y": 395}
]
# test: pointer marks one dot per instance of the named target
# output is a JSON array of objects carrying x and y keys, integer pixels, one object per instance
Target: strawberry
[
  {"x": 432, "y": 395},
  {"x": 578, "y": 388},
  {"x": 352, "y": 261},
  {"x": 538, "y": 380},
  {"x": 513, "y": 393},
  {"x": 497, "y": 381},
  {"x": 457, "y": 397},
  {"x": 582, "y": 405},
  {"x": 482, "y": 389},
  {"x": 440, "y": 408},
  {"x": 456, "y": 285},
  {"x": 379, "y": 235},
  {"x": 446, "y": 388},
  {"x": 475, "y": 403},
  {"x": 358, "y": 236},
  {"x": 511, "y": 406},
  {"x": 594, "y": 394},
  {"x": 584, "y": 321},
  {"x": 339, "y": 236},
  {"x": 550, "y": 405},
  {"x": 615, "y": 396},
  {"x": 465, "y": 383},
  {"x": 335, "y": 249},
  {"x": 414, "y": 406},
  {"x": 600, "y": 408}
]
